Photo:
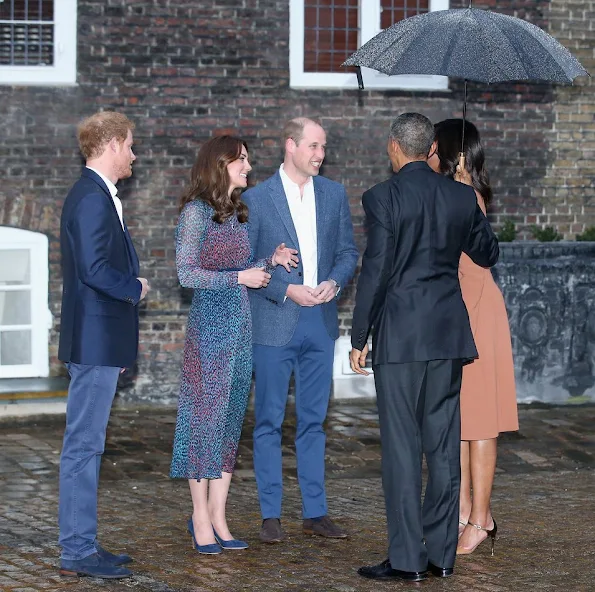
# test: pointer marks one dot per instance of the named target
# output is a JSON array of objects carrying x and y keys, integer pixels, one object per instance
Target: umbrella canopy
[{"x": 473, "y": 44}]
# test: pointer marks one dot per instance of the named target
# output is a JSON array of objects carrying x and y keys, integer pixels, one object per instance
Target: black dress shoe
[
  {"x": 384, "y": 571},
  {"x": 440, "y": 572}
]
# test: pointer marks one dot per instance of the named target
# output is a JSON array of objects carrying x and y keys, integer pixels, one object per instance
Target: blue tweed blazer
[{"x": 274, "y": 318}]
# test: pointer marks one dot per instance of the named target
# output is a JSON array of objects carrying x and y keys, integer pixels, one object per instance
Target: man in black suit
[{"x": 408, "y": 291}]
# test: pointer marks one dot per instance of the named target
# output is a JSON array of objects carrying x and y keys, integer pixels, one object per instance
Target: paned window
[
  {"x": 37, "y": 42},
  {"x": 24, "y": 316},
  {"x": 324, "y": 33}
]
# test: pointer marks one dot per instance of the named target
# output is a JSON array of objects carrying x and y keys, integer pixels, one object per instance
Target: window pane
[
  {"x": 15, "y": 348},
  {"x": 330, "y": 34},
  {"x": 26, "y": 32},
  {"x": 394, "y": 11},
  {"x": 15, "y": 308},
  {"x": 26, "y": 10},
  {"x": 15, "y": 267}
]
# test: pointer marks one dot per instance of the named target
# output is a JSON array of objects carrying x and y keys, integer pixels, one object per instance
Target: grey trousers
[{"x": 418, "y": 406}]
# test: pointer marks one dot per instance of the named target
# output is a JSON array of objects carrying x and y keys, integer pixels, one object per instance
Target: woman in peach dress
[{"x": 488, "y": 394}]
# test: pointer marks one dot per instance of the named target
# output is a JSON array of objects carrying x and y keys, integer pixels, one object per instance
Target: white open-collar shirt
[
  {"x": 303, "y": 214},
  {"x": 113, "y": 192}
]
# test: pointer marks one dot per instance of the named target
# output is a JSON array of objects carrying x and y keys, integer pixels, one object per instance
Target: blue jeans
[
  {"x": 309, "y": 354},
  {"x": 90, "y": 396}
]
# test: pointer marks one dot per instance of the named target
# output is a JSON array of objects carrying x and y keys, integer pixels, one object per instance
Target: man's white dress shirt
[
  {"x": 303, "y": 214},
  {"x": 113, "y": 192}
]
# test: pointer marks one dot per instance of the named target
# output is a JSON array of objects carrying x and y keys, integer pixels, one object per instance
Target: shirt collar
[
  {"x": 110, "y": 186},
  {"x": 286, "y": 180},
  {"x": 415, "y": 165}
]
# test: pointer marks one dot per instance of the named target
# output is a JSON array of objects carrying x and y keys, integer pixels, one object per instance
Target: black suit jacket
[{"x": 419, "y": 222}]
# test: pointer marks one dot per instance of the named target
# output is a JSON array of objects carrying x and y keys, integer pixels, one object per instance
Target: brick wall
[
  {"x": 185, "y": 70},
  {"x": 567, "y": 190}
]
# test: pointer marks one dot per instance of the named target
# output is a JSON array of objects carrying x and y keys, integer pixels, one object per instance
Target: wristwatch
[{"x": 334, "y": 282}]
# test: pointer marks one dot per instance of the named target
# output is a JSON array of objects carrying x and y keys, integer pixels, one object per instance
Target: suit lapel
[
  {"x": 133, "y": 257},
  {"x": 279, "y": 199},
  {"x": 95, "y": 177},
  {"x": 131, "y": 251},
  {"x": 321, "y": 201}
]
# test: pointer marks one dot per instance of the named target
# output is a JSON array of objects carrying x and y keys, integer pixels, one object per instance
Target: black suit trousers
[{"x": 418, "y": 406}]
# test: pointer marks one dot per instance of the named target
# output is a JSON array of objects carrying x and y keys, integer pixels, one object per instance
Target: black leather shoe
[
  {"x": 121, "y": 559},
  {"x": 384, "y": 571},
  {"x": 440, "y": 572}
]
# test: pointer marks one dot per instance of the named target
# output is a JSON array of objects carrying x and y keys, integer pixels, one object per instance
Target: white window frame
[
  {"x": 40, "y": 315},
  {"x": 63, "y": 70},
  {"x": 369, "y": 26}
]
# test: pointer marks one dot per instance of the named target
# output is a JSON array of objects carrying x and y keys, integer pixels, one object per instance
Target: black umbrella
[{"x": 473, "y": 44}]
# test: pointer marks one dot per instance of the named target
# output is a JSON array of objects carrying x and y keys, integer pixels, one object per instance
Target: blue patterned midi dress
[{"x": 217, "y": 366}]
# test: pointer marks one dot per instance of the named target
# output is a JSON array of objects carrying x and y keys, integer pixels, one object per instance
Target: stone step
[
  {"x": 33, "y": 388},
  {"x": 33, "y": 396}
]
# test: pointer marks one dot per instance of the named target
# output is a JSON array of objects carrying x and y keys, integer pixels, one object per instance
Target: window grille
[
  {"x": 394, "y": 11},
  {"x": 27, "y": 32},
  {"x": 331, "y": 29}
]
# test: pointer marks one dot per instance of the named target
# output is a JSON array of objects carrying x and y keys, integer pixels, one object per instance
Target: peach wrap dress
[{"x": 488, "y": 393}]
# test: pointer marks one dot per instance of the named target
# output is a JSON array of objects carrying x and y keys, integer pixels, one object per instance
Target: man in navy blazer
[
  {"x": 98, "y": 332},
  {"x": 295, "y": 322}
]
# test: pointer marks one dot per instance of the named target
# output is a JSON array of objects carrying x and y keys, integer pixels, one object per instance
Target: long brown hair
[
  {"x": 448, "y": 136},
  {"x": 209, "y": 179}
]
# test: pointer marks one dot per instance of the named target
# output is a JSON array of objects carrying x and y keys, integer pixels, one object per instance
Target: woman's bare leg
[
  {"x": 203, "y": 531},
  {"x": 482, "y": 456},
  {"x": 218, "y": 490}
]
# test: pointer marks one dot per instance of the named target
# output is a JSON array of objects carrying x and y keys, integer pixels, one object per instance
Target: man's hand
[
  {"x": 357, "y": 360},
  {"x": 326, "y": 291},
  {"x": 286, "y": 257},
  {"x": 303, "y": 295},
  {"x": 145, "y": 287}
]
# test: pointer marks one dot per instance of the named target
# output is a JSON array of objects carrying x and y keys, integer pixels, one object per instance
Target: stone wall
[
  {"x": 186, "y": 70},
  {"x": 549, "y": 291}
]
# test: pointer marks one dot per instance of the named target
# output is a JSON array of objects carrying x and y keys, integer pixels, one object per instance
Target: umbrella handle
[
  {"x": 461, "y": 161},
  {"x": 461, "y": 173}
]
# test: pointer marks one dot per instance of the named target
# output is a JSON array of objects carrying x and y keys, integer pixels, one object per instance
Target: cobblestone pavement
[{"x": 543, "y": 502}]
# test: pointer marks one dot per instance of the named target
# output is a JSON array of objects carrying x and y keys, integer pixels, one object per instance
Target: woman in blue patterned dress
[{"x": 213, "y": 257}]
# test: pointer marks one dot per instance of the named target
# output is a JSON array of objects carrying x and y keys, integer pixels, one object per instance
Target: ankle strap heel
[{"x": 491, "y": 532}]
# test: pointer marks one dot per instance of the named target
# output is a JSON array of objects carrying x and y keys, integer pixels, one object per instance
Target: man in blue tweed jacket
[{"x": 295, "y": 321}]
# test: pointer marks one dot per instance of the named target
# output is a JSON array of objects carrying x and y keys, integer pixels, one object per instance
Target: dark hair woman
[
  {"x": 211, "y": 181},
  {"x": 213, "y": 257},
  {"x": 448, "y": 139},
  {"x": 488, "y": 394}
]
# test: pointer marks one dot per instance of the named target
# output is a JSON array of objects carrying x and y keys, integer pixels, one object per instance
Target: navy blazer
[
  {"x": 419, "y": 223},
  {"x": 274, "y": 318},
  {"x": 99, "y": 318}
]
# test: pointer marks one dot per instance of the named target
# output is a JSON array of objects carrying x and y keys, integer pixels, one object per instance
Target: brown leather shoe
[
  {"x": 324, "y": 527},
  {"x": 271, "y": 531}
]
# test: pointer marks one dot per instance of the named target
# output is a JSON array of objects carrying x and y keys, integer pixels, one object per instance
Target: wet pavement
[{"x": 543, "y": 502}]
